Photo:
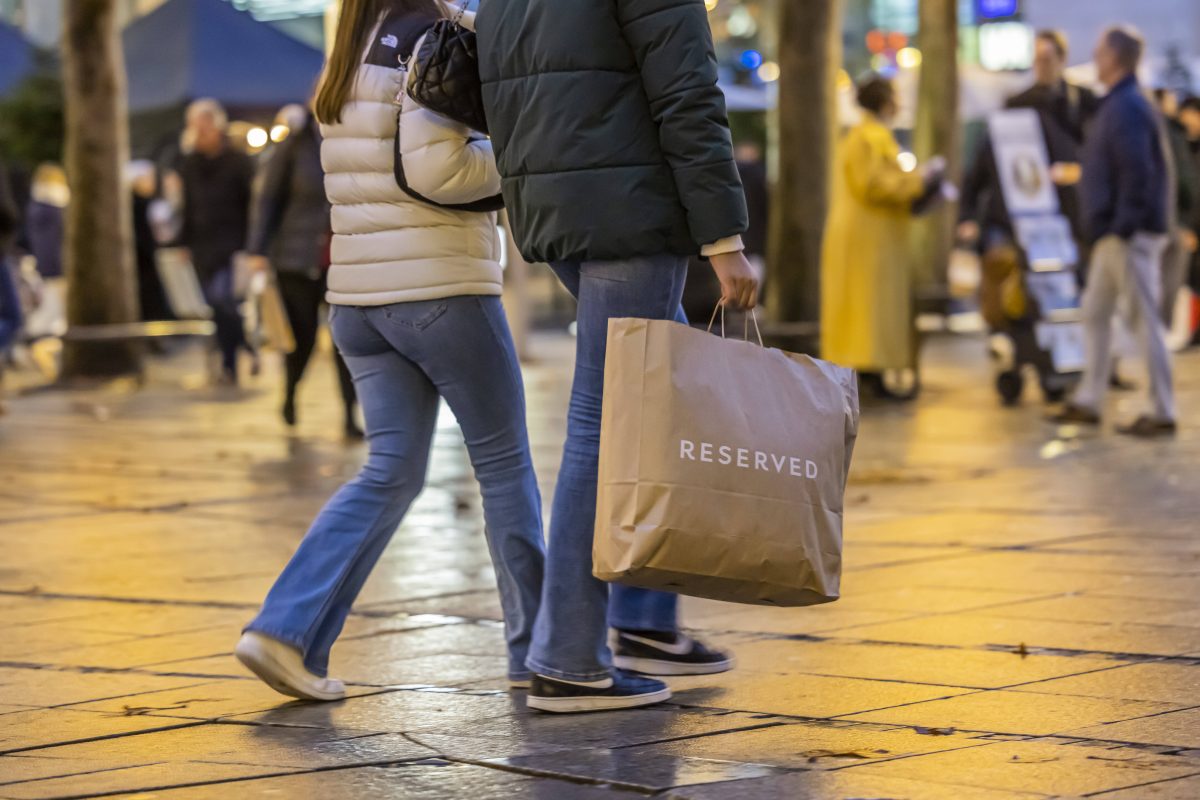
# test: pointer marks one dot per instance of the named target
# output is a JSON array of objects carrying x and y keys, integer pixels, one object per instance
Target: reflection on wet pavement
[{"x": 1020, "y": 618}]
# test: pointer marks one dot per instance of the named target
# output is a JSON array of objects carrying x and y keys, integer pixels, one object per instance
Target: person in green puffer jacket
[{"x": 616, "y": 164}]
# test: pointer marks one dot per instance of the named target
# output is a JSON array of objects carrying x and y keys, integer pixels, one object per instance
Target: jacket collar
[{"x": 1123, "y": 85}]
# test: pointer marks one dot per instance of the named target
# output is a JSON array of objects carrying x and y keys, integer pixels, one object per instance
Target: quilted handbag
[{"x": 445, "y": 73}]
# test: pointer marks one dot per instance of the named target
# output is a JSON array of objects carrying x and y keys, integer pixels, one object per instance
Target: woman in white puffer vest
[{"x": 415, "y": 311}]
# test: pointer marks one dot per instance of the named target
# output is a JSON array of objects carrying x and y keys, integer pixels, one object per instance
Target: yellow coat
[{"x": 866, "y": 294}]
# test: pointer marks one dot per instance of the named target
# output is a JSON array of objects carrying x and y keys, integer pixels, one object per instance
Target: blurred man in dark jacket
[
  {"x": 1126, "y": 182},
  {"x": 1065, "y": 111},
  {"x": 217, "y": 182}
]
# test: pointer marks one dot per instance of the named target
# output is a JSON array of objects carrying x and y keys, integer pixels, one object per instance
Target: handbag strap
[{"x": 461, "y": 12}]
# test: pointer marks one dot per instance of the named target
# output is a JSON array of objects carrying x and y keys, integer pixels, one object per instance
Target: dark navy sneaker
[
  {"x": 651, "y": 653},
  {"x": 621, "y": 690}
]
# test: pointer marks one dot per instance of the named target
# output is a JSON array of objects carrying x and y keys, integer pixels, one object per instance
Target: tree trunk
[
  {"x": 937, "y": 132},
  {"x": 99, "y": 239},
  {"x": 809, "y": 54}
]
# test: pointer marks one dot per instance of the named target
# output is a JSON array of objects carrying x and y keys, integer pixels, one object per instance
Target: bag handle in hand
[{"x": 753, "y": 315}]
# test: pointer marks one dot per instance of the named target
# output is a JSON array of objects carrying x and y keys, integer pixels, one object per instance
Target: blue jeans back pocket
[{"x": 419, "y": 315}]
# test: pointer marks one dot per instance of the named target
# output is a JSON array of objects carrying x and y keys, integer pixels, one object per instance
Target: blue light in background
[
  {"x": 995, "y": 9},
  {"x": 752, "y": 59}
]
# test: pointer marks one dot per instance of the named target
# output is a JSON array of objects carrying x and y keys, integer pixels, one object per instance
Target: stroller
[
  {"x": 1029, "y": 298},
  {"x": 1030, "y": 293}
]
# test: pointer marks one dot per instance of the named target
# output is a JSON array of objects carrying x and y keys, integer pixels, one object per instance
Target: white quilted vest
[{"x": 388, "y": 247}]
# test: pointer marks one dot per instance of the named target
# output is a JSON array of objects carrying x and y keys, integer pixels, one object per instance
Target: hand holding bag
[
  {"x": 723, "y": 467},
  {"x": 445, "y": 73}
]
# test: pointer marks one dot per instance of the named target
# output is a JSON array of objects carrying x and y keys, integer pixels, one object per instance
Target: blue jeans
[
  {"x": 570, "y": 638},
  {"x": 404, "y": 358},
  {"x": 227, "y": 316}
]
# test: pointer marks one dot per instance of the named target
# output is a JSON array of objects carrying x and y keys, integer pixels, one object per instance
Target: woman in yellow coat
[{"x": 866, "y": 294}]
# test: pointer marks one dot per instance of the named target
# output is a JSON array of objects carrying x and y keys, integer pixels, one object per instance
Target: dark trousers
[
  {"x": 231, "y": 330},
  {"x": 302, "y": 297},
  {"x": 10, "y": 308}
]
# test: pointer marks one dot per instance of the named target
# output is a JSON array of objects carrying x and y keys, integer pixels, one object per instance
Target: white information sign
[{"x": 1023, "y": 162}]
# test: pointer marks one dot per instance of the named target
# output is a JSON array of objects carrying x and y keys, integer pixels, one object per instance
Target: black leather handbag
[
  {"x": 393, "y": 48},
  {"x": 445, "y": 73}
]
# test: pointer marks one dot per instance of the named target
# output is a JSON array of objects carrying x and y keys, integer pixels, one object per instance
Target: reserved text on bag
[{"x": 744, "y": 458}]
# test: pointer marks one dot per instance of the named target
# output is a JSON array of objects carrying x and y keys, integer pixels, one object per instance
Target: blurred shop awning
[
  {"x": 187, "y": 49},
  {"x": 16, "y": 58}
]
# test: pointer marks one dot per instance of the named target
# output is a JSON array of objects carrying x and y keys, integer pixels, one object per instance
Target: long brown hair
[{"x": 356, "y": 21}]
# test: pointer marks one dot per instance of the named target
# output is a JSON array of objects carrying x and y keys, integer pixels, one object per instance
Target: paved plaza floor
[{"x": 1020, "y": 615}]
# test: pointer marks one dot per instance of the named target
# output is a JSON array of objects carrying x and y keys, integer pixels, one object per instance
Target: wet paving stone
[
  {"x": 1005, "y": 711},
  {"x": 1096, "y": 608},
  {"x": 967, "y": 668},
  {"x": 48, "y": 687},
  {"x": 406, "y": 710},
  {"x": 1176, "y": 728},
  {"x": 848, "y": 784},
  {"x": 26, "y": 767},
  {"x": 1175, "y": 789},
  {"x": 804, "y": 696},
  {"x": 381, "y": 668},
  {"x": 981, "y": 630},
  {"x": 1158, "y": 682},
  {"x": 257, "y": 745},
  {"x": 1059, "y": 769},
  {"x": 1014, "y": 608},
  {"x": 608, "y": 730},
  {"x": 23, "y": 730},
  {"x": 209, "y": 700},
  {"x": 430, "y": 780},
  {"x": 818, "y": 745},
  {"x": 87, "y": 777},
  {"x": 638, "y": 770}
]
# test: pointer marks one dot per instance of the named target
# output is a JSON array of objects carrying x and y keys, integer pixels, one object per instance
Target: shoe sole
[
  {"x": 519, "y": 684},
  {"x": 275, "y": 675},
  {"x": 579, "y": 705},
  {"x": 652, "y": 666}
]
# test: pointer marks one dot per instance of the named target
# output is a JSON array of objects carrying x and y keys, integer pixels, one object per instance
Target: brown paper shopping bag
[
  {"x": 723, "y": 467},
  {"x": 276, "y": 326}
]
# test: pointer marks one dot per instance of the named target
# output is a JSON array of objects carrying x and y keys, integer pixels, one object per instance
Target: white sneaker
[{"x": 281, "y": 667}]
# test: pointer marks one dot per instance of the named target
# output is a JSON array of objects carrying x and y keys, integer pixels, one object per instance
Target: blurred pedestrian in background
[
  {"x": 1189, "y": 117},
  {"x": 1064, "y": 110},
  {"x": 10, "y": 302},
  {"x": 290, "y": 234},
  {"x": 217, "y": 181},
  {"x": 752, "y": 169},
  {"x": 1184, "y": 207},
  {"x": 415, "y": 284},
  {"x": 1068, "y": 105},
  {"x": 143, "y": 179},
  {"x": 1125, "y": 190},
  {"x": 45, "y": 221},
  {"x": 866, "y": 281}
]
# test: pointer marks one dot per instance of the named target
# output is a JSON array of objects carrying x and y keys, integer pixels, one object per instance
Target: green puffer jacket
[{"x": 609, "y": 130}]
